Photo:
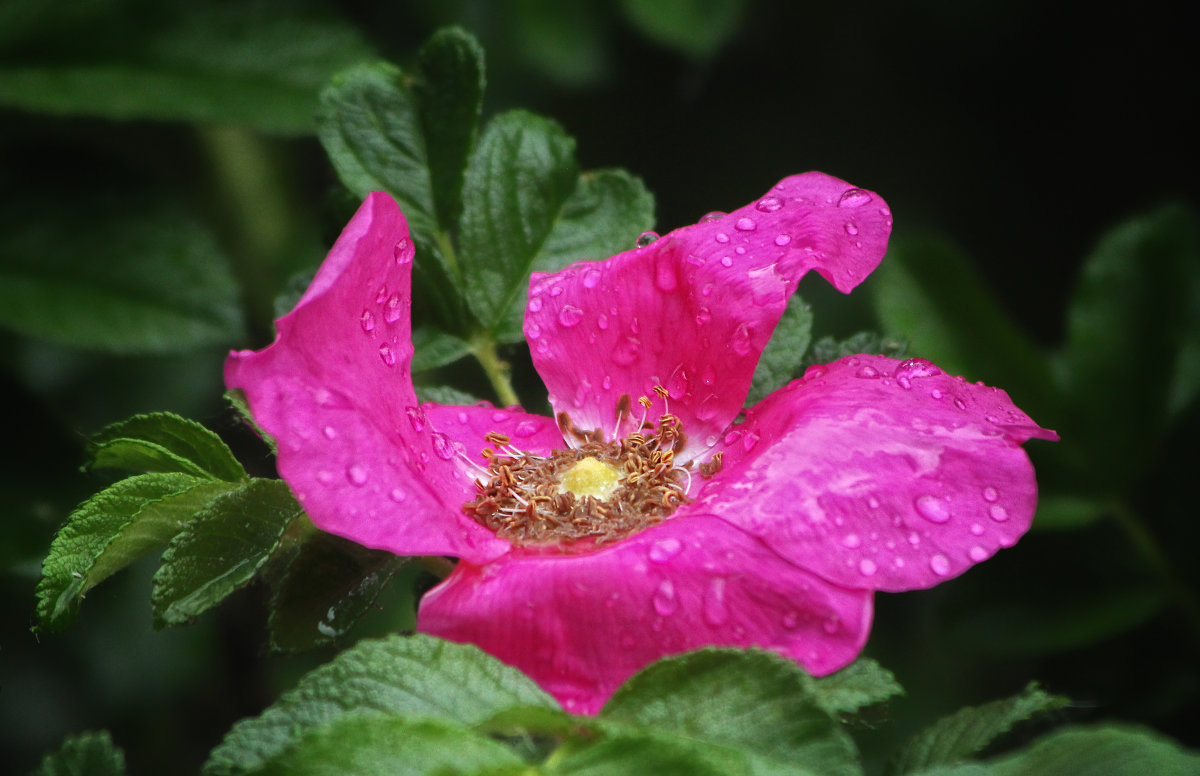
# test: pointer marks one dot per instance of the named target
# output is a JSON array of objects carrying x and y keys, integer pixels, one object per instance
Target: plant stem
[{"x": 497, "y": 370}]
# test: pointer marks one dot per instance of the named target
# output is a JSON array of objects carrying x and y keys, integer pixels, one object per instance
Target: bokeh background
[{"x": 1009, "y": 138}]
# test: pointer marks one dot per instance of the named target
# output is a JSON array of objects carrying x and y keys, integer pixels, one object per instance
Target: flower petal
[
  {"x": 880, "y": 474},
  {"x": 466, "y": 428},
  {"x": 580, "y": 625},
  {"x": 335, "y": 391},
  {"x": 693, "y": 310}
]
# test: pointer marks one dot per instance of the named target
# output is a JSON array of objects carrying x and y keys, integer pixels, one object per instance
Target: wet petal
[
  {"x": 878, "y": 473},
  {"x": 581, "y": 625},
  {"x": 465, "y": 428},
  {"x": 693, "y": 310},
  {"x": 335, "y": 391}
]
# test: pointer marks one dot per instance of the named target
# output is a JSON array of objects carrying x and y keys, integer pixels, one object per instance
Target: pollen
[{"x": 590, "y": 477}]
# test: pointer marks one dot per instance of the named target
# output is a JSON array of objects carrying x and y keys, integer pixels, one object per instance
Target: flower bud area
[{"x": 589, "y": 495}]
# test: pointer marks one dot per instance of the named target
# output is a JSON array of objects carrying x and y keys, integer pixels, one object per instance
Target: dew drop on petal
[
  {"x": 400, "y": 252},
  {"x": 962, "y": 405},
  {"x": 664, "y": 273},
  {"x": 602, "y": 321},
  {"x": 591, "y": 278},
  {"x": 998, "y": 513},
  {"x": 416, "y": 418},
  {"x": 978, "y": 554},
  {"x": 703, "y": 316},
  {"x": 393, "y": 309},
  {"x": 851, "y": 228},
  {"x": 442, "y": 447},
  {"x": 526, "y": 429},
  {"x": 715, "y": 610},
  {"x": 789, "y": 620},
  {"x": 868, "y": 371},
  {"x": 768, "y": 205},
  {"x": 853, "y": 198},
  {"x": 330, "y": 432},
  {"x": 782, "y": 240},
  {"x": 397, "y": 495},
  {"x": 627, "y": 351},
  {"x": 741, "y": 340},
  {"x": 851, "y": 541},
  {"x": 714, "y": 215},
  {"x": 867, "y": 567},
  {"x": 665, "y": 602},
  {"x": 665, "y": 549},
  {"x": 939, "y": 564},
  {"x": 533, "y": 331},
  {"x": 678, "y": 384},
  {"x": 570, "y": 315},
  {"x": 367, "y": 320},
  {"x": 932, "y": 509},
  {"x": 722, "y": 238},
  {"x": 976, "y": 529},
  {"x": 381, "y": 295},
  {"x": 385, "y": 352},
  {"x": 936, "y": 393},
  {"x": 645, "y": 238},
  {"x": 357, "y": 475},
  {"x": 990, "y": 495},
  {"x": 535, "y": 304},
  {"x": 745, "y": 224}
]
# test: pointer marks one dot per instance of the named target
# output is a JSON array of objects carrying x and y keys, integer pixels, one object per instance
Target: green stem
[
  {"x": 496, "y": 369},
  {"x": 1140, "y": 536},
  {"x": 438, "y": 566}
]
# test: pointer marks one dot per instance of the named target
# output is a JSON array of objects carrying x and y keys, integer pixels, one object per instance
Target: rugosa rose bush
[{"x": 649, "y": 516}]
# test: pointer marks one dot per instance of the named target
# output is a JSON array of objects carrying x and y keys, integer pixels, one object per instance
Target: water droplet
[
  {"x": 990, "y": 495},
  {"x": 442, "y": 447},
  {"x": 851, "y": 541},
  {"x": 385, "y": 352},
  {"x": 962, "y": 405},
  {"x": 714, "y": 215},
  {"x": 997, "y": 513},
  {"x": 556, "y": 291},
  {"x": 783, "y": 240},
  {"x": 722, "y": 238},
  {"x": 526, "y": 429},
  {"x": 665, "y": 602},
  {"x": 740, "y": 342},
  {"x": 715, "y": 610},
  {"x": 591, "y": 278},
  {"x": 569, "y": 315},
  {"x": 678, "y": 384},
  {"x": 330, "y": 432},
  {"x": 939, "y": 564},
  {"x": 400, "y": 252},
  {"x": 664, "y": 273},
  {"x": 393, "y": 309},
  {"x": 606, "y": 383},
  {"x": 749, "y": 440},
  {"x": 745, "y": 224},
  {"x": 533, "y": 331},
  {"x": 397, "y": 495},
  {"x": 726, "y": 261},
  {"x": 381, "y": 295},
  {"x": 868, "y": 372},
  {"x": 830, "y": 626},
  {"x": 324, "y": 477},
  {"x": 740, "y": 250},
  {"x": 645, "y": 238},
  {"x": 602, "y": 321},
  {"x": 978, "y": 554},
  {"x": 627, "y": 351},
  {"x": 914, "y": 539},
  {"x": 932, "y": 509},
  {"x": 976, "y": 529},
  {"x": 936, "y": 393},
  {"x": 789, "y": 620},
  {"x": 853, "y": 198},
  {"x": 367, "y": 320},
  {"x": 851, "y": 228},
  {"x": 703, "y": 316},
  {"x": 535, "y": 304},
  {"x": 768, "y": 205},
  {"x": 357, "y": 475},
  {"x": 416, "y": 418},
  {"x": 867, "y": 567},
  {"x": 665, "y": 549}
]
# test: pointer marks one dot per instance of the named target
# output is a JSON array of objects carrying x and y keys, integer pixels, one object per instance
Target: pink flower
[{"x": 683, "y": 527}]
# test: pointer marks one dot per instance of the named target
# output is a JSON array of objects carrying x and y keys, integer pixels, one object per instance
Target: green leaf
[
  {"x": 228, "y": 63},
  {"x": 755, "y": 703},
  {"x": 966, "y": 732},
  {"x": 413, "y": 676},
  {"x": 389, "y": 746},
  {"x": 432, "y": 348},
  {"x": 327, "y": 587},
  {"x": 862, "y": 683},
  {"x": 695, "y": 28},
  {"x": 782, "y": 358},
  {"x": 629, "y": 753},
  {"x": 1133, "y": 332},
  {"x": 929, "y": 292},
  {"x": 1103, "y": 750},
  {"x": 237, "y": 399},
  {"x": 87, "y": 754},
  {"x": 828, "y": 349},
  {"x": 517, "y": 182},
  {"x": 221, "y": 550},
  {"x": 164, "y": 442},
  {"x": 445, "y": 394},
  {"x": 113, "y": 529},
  {"x": 602, "y": 217}
]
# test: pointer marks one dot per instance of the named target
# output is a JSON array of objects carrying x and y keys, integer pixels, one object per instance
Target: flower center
[{"x": 592, "y": 494}]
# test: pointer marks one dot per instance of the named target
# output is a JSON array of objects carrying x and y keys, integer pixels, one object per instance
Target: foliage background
[{"x": 1006, "y": 136}]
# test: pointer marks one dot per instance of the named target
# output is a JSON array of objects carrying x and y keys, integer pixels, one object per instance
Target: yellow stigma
[{"x": 590, "y": 477}]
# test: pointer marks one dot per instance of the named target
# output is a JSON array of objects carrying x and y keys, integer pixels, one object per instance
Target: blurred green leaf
[
  {"x": 231, "y": 63},
  {"x": 398, "y": 676},
  {"x": 389, "y": 746},
  {"x": 221, "y": 549},
  {"x": 432, "y": 348},
  {"x": 862, "y": 683},
  {"x": 1067, "y": 512},
  {"x": 756, "y": 703},
  {"x": 445, "y": 394},
  {"x": 164, "y": 442},
  {"x": 1133, "y": 332},
  {"x": 87, "y": 754},
  {"x": 928, "y": 291},
  {"x": 566, "y": 43},
  {"x": 326, "y": 588},
  {"x": 1103, "y": 750},
  {"x": 118, "y": 273},
  {"x": 113, "y": 529},
  {"x": 966, "y": 732},
  {"x": 782, "y": 358},
  {"x": 696, "y": 28}
]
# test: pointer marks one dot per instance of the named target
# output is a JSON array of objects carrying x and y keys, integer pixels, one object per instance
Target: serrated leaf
[
  {"x": 111, "y": 530},
  {"x": 1133, "y": 331},
  {"x": 325, "y": 590},
  {"x": 221, "y": 550},
  {"x": 602, "y": 217},
  {"x": 517, "y": 182},
  {"x": 389, "y": 746},
  {"x": 753, "y": 702},
  {"x": 164, "y": 442},
  {"x": 783, "y": 357},
  {"x": 928, "y": 292},
  {"x": 432, "y": 348},
  {"x": 966, "y": 732},
  {"x": 862, "y": 683},
  {"x": 237, "y": 399},
  {"x": 87, "y": 754},
  {"x": 828, "y": 349},
  {"x": 226, "y": 63},
  {"x": 117, "y": 273},
  {"x": 696, "y": 28},
  {"x": 398, "y": 676}
]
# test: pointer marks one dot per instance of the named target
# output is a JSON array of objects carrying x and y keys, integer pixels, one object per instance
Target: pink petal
[
  {"x": 465, "y": 428},
  {"x": 335, "y": 391},
  {"x": 580, "y": 625},
  {"x": 880, "y": 474},
  {"x": 693, "y": 310}
]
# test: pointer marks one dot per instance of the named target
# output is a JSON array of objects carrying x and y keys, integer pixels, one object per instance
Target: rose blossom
[{"x": 649, "y": 516}]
